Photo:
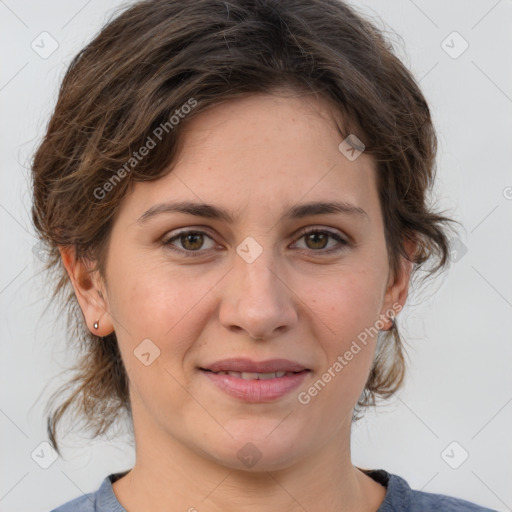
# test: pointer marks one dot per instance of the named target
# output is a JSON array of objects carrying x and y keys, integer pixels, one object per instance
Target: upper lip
[{"x": 248, "y": 365}]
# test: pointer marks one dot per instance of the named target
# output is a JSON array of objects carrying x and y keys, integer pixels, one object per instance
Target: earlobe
[
  {"x": 398, "y": 289},
  {"x": 89, "y": 291}
]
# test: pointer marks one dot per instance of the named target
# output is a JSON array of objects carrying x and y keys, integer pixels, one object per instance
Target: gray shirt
[{"x": 399, "y": 498}]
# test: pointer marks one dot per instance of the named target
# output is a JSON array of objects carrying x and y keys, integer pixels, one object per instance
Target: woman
[{"x": 237, "y": 194}]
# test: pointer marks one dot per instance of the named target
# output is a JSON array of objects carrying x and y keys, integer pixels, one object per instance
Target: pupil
[
  {"x": 319, "y": 235},
  {"x": 190, "y": 238}
]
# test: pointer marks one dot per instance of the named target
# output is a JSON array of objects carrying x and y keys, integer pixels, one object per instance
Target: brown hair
[{"x": 155, "y": 57}]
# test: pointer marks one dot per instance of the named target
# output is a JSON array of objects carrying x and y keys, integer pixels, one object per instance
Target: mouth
[
  {"x": 253, "y": 381},
  {"x": 255, "y": 375},
  {"x": 248, "y": 366}
]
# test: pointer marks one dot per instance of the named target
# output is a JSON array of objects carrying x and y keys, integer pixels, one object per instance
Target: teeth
[
  {"x": 249, "y": 375},
  {"x": 255, "y": 376},
  {"x": 263, "y": 376}
]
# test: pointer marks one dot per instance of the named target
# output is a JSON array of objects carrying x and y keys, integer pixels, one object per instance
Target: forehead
[{"x": 263, "y": 153}]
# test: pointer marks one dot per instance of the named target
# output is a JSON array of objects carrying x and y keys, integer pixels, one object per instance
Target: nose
[{"x": 257, "y": 301}]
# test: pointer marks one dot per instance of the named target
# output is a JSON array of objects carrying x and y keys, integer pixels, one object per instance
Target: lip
[
  {"x": 240, "y": 364},
  {"x": 256, "y": 391}
]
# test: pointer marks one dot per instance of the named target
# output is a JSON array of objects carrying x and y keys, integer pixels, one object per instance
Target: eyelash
[{"x": 168, "y": 242}]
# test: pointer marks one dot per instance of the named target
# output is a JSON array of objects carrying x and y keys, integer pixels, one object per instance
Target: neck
[{"x": 168, "y": 472}]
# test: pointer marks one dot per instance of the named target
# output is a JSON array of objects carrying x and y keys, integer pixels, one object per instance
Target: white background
[{"x": 459, "y": 387}]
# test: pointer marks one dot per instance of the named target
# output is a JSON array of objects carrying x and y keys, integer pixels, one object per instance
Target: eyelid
[
  {"x": 313, "y": 229},
  {"x": 342, "y": 239},
  {"x": 166, "y": 239}
]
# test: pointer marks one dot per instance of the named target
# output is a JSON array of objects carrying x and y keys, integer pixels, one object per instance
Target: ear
[
  {"x": 90, "y": 291},
  {"x": 398, "y": 286}
]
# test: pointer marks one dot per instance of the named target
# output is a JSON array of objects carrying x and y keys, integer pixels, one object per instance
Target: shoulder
[
  {"x": 85, "y": 503},
  {"x": 401, "y": 498},
  {"x": 428, "y": 501},
  {"x": 102, "y": 500}
]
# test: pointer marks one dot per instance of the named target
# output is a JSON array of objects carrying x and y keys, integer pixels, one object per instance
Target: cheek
[
  {"x": 168, "y": 308},
  {"x": 149, "y": 296},
  {"x": 347, "y": 309},
  {"x": 157, "y": 319},
  {"x": 346, "y": 304}
]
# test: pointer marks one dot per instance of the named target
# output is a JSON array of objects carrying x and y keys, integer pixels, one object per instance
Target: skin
[{"x": 254, "y": 156}]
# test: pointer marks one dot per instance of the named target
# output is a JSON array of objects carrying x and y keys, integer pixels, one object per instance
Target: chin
[{"x": 257, "y": 451}]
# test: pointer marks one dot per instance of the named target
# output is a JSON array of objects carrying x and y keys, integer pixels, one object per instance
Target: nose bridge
[
  {"x": 258, "y": 276},
  {"x": 256, "y": 301}
]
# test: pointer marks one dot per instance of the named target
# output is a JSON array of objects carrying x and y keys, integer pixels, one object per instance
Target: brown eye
[
  {"x": 317, "y": 240},
  {"x": 189, "y": 242}
]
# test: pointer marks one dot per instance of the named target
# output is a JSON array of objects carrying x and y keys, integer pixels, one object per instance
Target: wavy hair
[{"x": 152, "y": 58}]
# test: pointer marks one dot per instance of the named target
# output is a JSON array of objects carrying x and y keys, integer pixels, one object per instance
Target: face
[{"x": 186, "y": 290}]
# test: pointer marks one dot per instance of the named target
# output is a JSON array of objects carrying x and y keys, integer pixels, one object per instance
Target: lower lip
[{"x": 257, "y": 390}]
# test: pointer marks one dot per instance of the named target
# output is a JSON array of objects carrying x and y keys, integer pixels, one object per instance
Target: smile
[
  {"x": 256, "y": 376},
  {"x": 256, "y": 387}
]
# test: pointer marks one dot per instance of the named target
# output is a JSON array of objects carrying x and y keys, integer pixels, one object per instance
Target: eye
[
  {"x": 317, "y": 239},
  {"x": 191, "y": 241}
]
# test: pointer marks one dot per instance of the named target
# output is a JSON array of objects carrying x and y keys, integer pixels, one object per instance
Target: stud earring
[{"x": 96, "y": 325}]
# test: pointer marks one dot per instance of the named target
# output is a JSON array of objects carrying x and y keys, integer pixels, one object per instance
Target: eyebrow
[{"x": 215, "y": 212}]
